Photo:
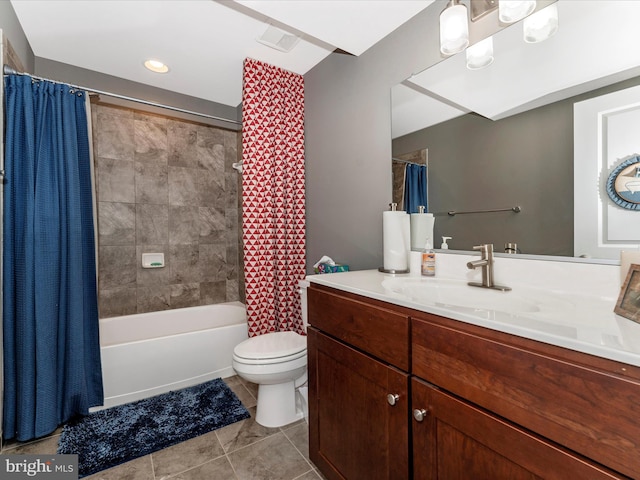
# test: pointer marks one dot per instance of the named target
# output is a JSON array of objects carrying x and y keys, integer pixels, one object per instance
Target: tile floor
[{"x": 240, "y": 451}]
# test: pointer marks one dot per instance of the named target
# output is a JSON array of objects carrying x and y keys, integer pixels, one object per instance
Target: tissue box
[{"x": 326, "y": 268}]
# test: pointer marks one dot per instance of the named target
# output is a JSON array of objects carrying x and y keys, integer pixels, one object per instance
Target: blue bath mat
[{"x": 116, "y": 435}]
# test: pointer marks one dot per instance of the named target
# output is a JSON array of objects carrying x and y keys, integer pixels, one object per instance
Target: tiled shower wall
[{"x": 164, "y": 186}]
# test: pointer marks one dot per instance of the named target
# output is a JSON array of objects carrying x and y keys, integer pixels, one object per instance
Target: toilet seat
[{"x": 275, "y": 347}]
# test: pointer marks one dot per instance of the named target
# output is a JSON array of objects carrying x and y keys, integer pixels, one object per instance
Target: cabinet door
[
  {"x": 457, "y": 440},
  {"x": 354, "y": 432},
  {"x": 588, "y": 405}
]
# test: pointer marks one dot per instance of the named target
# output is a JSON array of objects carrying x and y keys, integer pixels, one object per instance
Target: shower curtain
[
  {"x": 273, "y": 196},
  {"x": 52, "y": 367},
  {"x": 415, "y": 187}
]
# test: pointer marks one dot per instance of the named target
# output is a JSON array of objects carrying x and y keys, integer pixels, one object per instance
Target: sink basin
[{"x": 456, "y": 294}]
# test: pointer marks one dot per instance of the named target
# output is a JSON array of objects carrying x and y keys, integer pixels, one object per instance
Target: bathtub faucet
[{"x": 486, "y": 264}]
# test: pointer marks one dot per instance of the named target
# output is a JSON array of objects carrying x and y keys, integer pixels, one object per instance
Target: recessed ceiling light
[{"x": 156, "y": 66}]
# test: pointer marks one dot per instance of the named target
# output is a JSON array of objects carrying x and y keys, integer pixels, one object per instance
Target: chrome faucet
[{"x": 486, "y": 264}]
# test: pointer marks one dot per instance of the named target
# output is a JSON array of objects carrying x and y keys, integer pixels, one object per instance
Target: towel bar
[{"x": 515, "y": 209}]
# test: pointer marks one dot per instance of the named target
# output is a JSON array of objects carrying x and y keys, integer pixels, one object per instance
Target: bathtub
[{"x": 151, "y": 353}]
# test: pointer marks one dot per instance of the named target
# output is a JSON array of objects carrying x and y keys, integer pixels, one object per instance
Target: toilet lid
[{"x": 271, "y": 345}]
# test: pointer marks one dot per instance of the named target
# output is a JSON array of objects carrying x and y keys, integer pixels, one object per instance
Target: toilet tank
[{"x": 303, "y": 284}]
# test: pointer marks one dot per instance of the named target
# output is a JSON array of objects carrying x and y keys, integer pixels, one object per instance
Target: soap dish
[{"x": 152, "y": 260}]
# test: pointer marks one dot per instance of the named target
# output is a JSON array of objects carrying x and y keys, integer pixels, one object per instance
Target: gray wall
[
  {"x": 348, "y": 141},
  {"x": 12, "y": 30}
]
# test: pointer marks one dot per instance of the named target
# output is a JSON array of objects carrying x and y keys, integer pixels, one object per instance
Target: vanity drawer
[
  {"x": 591, "y": 410},
  {"x": 367, "y": 326}
]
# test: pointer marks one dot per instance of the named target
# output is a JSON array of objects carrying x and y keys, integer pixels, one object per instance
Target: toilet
[{"x": 277, "y": 362}]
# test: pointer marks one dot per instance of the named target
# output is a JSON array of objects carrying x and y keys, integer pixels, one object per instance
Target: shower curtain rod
[
  {"x": 407, "y": 161},
  {"x": 7, "y": 70}
]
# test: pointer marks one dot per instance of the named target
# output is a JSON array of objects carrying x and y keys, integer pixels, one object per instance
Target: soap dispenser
[
  {"x": 428, "y": 261},
  {"x": 445, "y": 245}
]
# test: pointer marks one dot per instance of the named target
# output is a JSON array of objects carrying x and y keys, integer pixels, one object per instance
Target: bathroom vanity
[{"x": 403, "y": 388}]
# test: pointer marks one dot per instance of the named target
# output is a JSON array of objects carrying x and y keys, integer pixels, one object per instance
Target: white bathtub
[{"x": 151, "y": 353}]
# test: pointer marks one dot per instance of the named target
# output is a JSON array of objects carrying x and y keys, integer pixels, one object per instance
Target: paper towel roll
[
  {"x": 421, "y": 230},
  {"x": 395, "y": 240},
  {"x": 415, "y": 264},
  {"x": 406, "y": 234}
]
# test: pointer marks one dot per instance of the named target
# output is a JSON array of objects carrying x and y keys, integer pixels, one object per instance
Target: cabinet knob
[
  {"x": 419, "y": 414},
  {"x": 393, "y": 398}
]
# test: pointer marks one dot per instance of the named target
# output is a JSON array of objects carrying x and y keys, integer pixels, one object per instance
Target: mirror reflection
[{"x": 503, "y": 136}]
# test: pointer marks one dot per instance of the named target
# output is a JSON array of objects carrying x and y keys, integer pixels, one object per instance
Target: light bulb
[
  {"x": 541, "y": 25},
  {"x": 510, "y": 11},
  {"x": 480, "y": 55},
  {"x": 454, "y": 29},
  {"x": 156, "y": 66}
]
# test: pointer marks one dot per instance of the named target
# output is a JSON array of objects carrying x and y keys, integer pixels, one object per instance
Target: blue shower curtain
[
  {"x": 52, "y": 368},
  {"x": 415, "y": 187}
]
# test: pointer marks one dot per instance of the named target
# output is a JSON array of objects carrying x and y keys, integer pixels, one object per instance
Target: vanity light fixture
[
  {"x": 454, "y": 28},
  {"x": 480, "y": 55},
  {"x": 541, "y": 25},
  {"x": 156, "y": 66},
  {"x": 510, "y": 11}
]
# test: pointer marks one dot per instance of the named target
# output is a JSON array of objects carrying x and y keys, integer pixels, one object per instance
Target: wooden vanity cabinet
[
  {"x": 489, "y": 405},
  {"x": 354, "y": 353}
]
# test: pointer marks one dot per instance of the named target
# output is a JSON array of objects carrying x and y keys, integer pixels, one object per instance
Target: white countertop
[{"x": 567, "y": 306}]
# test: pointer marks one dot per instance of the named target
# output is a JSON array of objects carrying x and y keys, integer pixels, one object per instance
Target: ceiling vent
[{"x": 276, "y": 38}]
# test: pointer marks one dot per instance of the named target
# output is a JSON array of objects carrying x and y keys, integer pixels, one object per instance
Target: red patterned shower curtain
[{"x": 273, "y": 196}]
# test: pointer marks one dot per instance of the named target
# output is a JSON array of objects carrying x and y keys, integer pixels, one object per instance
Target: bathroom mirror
[{"x": 502, "y": 136}]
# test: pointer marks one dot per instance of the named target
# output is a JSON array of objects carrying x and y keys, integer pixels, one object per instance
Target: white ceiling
[
  {"x": 204, "y": 42},
  {"x": 596, "y": 45}
]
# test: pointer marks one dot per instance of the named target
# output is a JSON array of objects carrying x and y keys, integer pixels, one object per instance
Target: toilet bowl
[{"x": 277, "y": 363}]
